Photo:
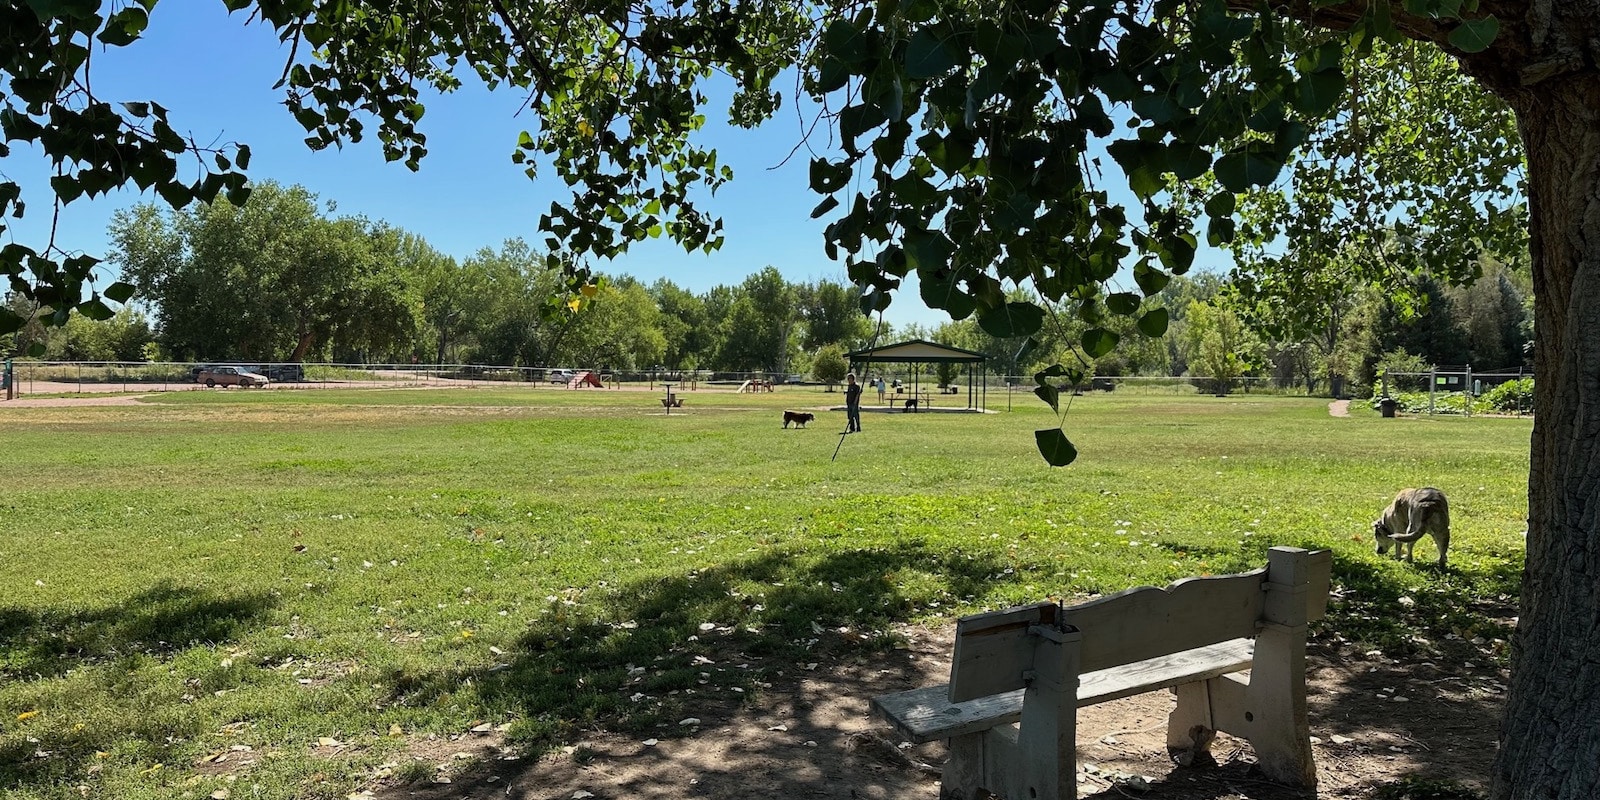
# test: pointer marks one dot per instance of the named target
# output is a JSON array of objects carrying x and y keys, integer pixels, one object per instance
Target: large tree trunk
[{"x": 1550, "y": 739}]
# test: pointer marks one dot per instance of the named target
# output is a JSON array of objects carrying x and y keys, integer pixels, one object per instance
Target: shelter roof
[{"x": 918, "y": 350}]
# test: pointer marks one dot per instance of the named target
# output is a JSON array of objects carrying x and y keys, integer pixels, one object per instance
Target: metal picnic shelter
[{"x": 918, "y": 352}]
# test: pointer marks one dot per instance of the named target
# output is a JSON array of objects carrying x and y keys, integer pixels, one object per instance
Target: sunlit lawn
[{"x": 212, "y": 569}]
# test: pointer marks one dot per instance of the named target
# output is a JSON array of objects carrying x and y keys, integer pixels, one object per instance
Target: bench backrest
[{"x": 994, "y": 651}]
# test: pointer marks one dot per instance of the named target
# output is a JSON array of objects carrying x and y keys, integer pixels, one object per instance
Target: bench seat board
[{"x": 926, "y": 714}]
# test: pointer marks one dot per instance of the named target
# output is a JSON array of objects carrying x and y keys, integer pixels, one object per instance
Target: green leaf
[
  {"x": 119, "y": 292},
  {"x": 939, "y": 290},
  {"x": 1055, "y": 447},
  {"x": 1241, "y": 169},
  {"x": 1324, "y": 56},
  {"x": 1150, "y": 279},
  {"x": 1475, "y": 35},
  {"x": 66, "y": 187},
  {"x": 1222, "y": 204},
  {"x": 79, "y": 9},
  {"x": 927, "y": 250},
  {"x": 828, "y": 203},
  {"x": 176, "y": 194},
  {"x": 96, "y": 310},
  {"x": 1098, "y": 342},
  {"x": 1124, "y": 303},
  {"x": 1012, "y": 320},
  {"x": 1050, "y": 394},
  {"x": 1188, "y": 161},
  {"x": 927, "y": 56},
  {"x": 1154, "y": 323},
  {"x": 124, "y": 26},
  {"x": 1157, "y": 108},
  {"x": 1052, "y": 371},
  {"x": 833, "y": 75},
  {"x": 844, "y": 40},
  {"x": 827, "y": 178},
  {"x": 1143, "y": 162},
  {"x": 919, "y": 10},
  {"x": 1319, "y": 92}
]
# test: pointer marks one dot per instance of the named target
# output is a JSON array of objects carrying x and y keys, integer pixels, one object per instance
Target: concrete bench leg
[
  {"x": 963, "y": 773},
  {"x": 1280, "y": 731},
  {"x": 1191, "y": 727}
]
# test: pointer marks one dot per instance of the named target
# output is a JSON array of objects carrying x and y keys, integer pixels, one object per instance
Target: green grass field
[{"x": 214, "y": 570}]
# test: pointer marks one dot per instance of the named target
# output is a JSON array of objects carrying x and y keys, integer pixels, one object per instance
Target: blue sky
[{"x": 214, "y": 74}]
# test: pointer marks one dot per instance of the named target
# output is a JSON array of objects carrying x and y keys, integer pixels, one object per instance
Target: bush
[
  {"x": 829, "y": 365},
  {"x": 1417, "y": 402},
  {"x": 1511, "y": 397}
]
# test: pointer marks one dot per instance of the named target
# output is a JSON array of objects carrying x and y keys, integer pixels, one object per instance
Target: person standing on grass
[
  {"x": 882, "y": 387},
  {"x": 852, "y": 404}
]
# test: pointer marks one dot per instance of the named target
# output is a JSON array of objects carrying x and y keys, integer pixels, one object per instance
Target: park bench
[
  {"x": 1036, "y": 665},
  {"x": 672, "y": 402}
]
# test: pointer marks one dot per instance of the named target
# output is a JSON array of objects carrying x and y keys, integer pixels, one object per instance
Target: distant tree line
[{"x": 284, "y": 279}]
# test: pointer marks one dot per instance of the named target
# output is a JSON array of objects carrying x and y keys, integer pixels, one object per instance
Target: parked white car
[{"x": 231, "y": 376}]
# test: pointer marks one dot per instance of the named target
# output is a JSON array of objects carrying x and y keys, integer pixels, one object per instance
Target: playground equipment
[{"x": 585, "y": 378}]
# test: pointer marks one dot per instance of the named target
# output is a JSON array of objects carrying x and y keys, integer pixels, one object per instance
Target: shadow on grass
[
  {"x": 1372, "y": 606},
  {"x": 621, "y": 669},
  {"x": 161, "y": 620},
  {"x": 654, "y": 652}
]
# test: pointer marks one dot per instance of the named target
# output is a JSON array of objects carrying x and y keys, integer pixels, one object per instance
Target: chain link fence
[{"x": 100, "y": 377}]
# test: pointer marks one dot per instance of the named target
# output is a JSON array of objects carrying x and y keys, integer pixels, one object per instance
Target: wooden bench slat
[
  {"x": 926, "y": 714},
  {"x": 1165, "y": 672}
]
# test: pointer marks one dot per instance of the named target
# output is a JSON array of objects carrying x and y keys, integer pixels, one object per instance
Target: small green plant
[
  {"x": 413, "y": 772},
  {"x": 1414, "y": 788}
]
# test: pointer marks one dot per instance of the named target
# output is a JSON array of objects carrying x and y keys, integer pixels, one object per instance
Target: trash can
[{"x": 1386, "y": 406}]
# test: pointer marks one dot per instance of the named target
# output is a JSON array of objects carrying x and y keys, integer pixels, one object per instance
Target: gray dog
[{"x": 1413, "y": 514}]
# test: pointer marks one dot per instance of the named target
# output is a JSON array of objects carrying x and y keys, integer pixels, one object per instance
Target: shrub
[
  {"x": 1417, "y": 402},
  {"x": 829, "y": 365},
  {"x": 1511, "y": 397}
]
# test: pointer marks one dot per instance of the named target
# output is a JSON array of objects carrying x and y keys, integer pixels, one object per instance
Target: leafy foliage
[
  {"x": 272, "y": 280},
  {"x": 829, "y": 365},
  {"x": 1511, "y": 397}
]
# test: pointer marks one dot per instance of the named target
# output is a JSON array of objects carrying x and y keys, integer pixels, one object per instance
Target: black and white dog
[{"x": 799, "y": 418}]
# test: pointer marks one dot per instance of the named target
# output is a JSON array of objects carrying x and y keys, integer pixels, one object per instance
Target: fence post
[
  {"x": 1467, "y": 390},
  {"x": 1433, "y": 383}
]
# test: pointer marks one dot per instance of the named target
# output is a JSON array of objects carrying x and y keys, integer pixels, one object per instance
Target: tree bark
[
  {"x": 1550, "y": 738},
  {"x": 302, "y": 346}
]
